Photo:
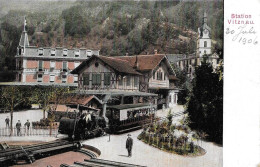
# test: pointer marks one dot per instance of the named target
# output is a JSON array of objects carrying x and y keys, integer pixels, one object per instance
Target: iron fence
[{"x": 47, "y": 131}]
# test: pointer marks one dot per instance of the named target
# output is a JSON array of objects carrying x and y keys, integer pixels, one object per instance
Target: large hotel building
[{"x": 45, "y": 65}]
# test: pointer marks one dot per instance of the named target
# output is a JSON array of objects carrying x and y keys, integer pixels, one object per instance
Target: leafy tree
[
  {"x": 12, "y": 97},
  {"x": 205, "y": 106},
  {"x": 48, "y": 98}
]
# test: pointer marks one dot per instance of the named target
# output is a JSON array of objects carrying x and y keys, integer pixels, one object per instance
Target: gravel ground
[{"x": 146, "y": 155}]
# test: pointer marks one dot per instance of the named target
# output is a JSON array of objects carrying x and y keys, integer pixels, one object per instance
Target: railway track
[
  {"x": 29, "y": 153},
  {"x": 99, "y": 163}
]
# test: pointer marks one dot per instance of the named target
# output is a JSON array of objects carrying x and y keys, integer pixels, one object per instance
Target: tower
[
  {"x": 204, "y": 40},
  {"x": 24, "y": 42}
]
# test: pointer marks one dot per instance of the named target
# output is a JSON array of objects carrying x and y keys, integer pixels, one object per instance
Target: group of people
[
  {"x": 138, "y": 113},
  {"x": 18, "y": 125}
]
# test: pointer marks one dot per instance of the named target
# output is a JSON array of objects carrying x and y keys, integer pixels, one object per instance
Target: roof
[
  {"x": 64, "y": 108},
  {"x": 24, "y": 39},
  {"x": 145, "y": 62},
  {"x": 127, "y": 106},
  {"x": 82, "y": 100},
  {"x": 118, "y": 65}
]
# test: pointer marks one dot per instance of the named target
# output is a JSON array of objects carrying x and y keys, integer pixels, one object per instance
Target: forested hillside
[{"x": 115, "y": 28}]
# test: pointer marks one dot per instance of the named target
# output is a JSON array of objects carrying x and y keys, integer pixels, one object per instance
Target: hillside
[{"x": 116, "y": 28}]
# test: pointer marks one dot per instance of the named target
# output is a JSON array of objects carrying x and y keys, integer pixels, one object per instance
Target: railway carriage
[{"x": 129, "y": 116}]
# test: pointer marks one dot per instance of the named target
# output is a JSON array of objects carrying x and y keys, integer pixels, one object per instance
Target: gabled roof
[
  {"x": 82, "y": 100},
  {"x": 145, "y": 62},
  {"x": 119, "y": 65}
]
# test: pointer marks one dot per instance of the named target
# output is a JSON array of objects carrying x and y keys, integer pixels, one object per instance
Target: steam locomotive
[
  {"x": 119, "y": 119},
  {"x": 83, "y": 127}
]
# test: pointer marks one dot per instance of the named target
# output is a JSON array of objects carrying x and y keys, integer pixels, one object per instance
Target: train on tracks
[{"x": 119, "y": 118}]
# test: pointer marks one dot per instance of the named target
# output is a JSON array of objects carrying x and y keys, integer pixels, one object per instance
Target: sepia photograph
[{"x": 111, "y": 83}]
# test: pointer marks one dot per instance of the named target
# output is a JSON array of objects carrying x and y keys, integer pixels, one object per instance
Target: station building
[{"x": 141, "y": 73}]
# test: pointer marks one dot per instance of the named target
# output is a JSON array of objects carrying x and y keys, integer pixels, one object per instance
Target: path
[{"x": 144, "y": 154}]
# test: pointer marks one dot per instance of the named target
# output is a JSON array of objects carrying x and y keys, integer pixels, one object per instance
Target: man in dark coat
[
  {"x": 27, "y": 124},
  {"x": 7, "y": 122},
  {"x": 18, "y": 127},
  {"x": 129, "y": 145}
]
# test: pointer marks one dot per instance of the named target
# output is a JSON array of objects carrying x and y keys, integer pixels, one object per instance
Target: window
[
  {"x": 205, "y": 43},
  {"x": 170, "y": 98},
  {"x": 96, "y": 79},
  {"x": 135, "y": 81},
  {"x": 85, "y": 79},
  {"x": 40, "y": 51},
  {"x": 39, "y": 77},
  {"x": 128, "y": 81},
  {"x": 159, "y": 75},
  {"x": 52, "y": 78},
  {"x": 75, "y": 79},
  {"x": 120, "y": 81},
  {"x": 53, "y": 52},
  {"x": 76, "y": 64},
  {"x": 164, "y": 77},
  {"x": 106, "y": 78},
  {"x": 65, "y": 52},
  {"x": 40, "y": 65},
  {"x": 20, "y": 51},
  {"x": 64, "y": 66},
  {"x": 52, "y": 65},
  {"x": 64, "y": 78},
  {"x": 154, "y": 75},
  {"x": 76, "y": 53}
]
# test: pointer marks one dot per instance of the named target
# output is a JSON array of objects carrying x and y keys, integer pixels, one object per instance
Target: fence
[{"x": 30, "y": 132}]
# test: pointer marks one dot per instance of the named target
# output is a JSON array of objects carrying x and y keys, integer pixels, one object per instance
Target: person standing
[
  {"x": 27, "y": 124},
  {"x": 18, "y": 127},
  {"x": 7, "y": 122},
  {"x": 129, "y": 145}
]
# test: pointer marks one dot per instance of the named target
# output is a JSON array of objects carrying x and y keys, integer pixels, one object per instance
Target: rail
[
  {"x": 13, "y": 154},
  {"x": 29, "y": 132}
]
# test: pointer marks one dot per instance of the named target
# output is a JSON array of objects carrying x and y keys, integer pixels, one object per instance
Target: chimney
[
  {"x": 155, "y": 51},
  {"x": 126, "y": 54}
]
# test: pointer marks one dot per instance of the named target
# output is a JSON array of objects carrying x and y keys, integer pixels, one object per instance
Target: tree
[
  {"x": 183, "y": 83},
  {"x": 12, "y": 97},
  {"x": 205, "y": 106},
  {"x": 45, "y": 96}
]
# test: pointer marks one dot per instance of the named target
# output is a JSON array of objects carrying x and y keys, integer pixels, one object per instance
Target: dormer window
[
  {"x": 40, "y": 51},
  {"x": 53, "y": 52},
  {"x": 76, "y": 53},
  {"x": 65, "y": 52}
]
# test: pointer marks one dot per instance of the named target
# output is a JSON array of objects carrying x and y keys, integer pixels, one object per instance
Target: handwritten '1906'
[{"x": 242, "y": 35}]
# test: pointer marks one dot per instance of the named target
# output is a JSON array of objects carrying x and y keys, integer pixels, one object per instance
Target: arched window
[{"x": 205, "y": 43}]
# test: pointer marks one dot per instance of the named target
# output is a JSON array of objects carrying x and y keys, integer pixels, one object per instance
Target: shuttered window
[
  {"x": 96, "y": 79},
  {"x": 86, "y": 79},
  {"x": 128, "y": 80},
  {"x": 135, "y": 81},
  {"x": 64, "y": 66},
  {"x": 106, "y": 78},
  {"x": 120, "y": 81},
  {"x": 40, "y": 65}
]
